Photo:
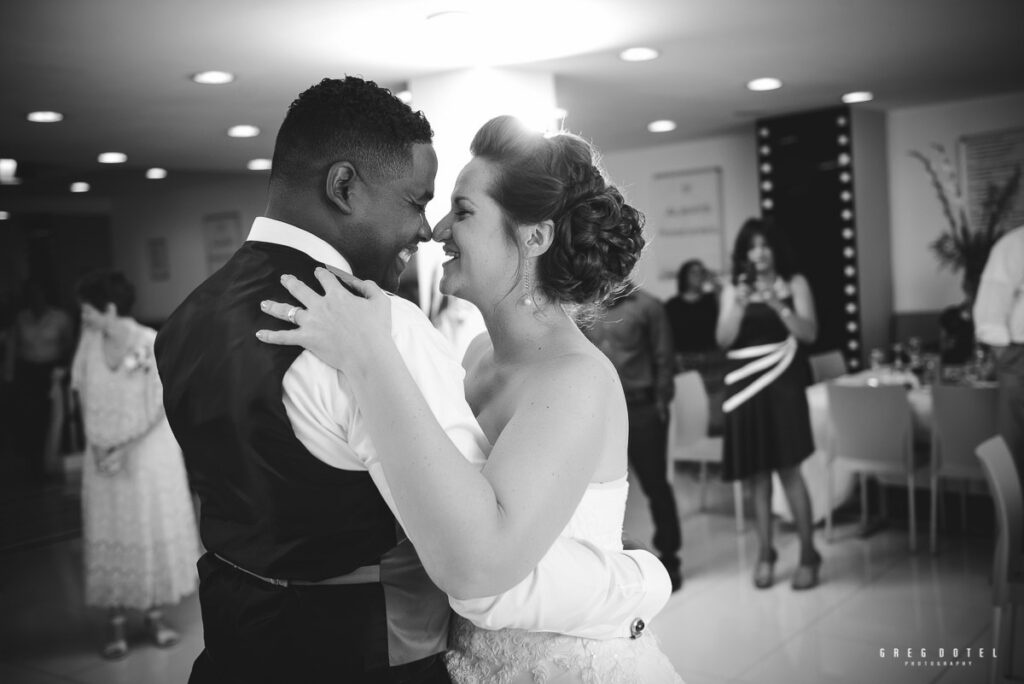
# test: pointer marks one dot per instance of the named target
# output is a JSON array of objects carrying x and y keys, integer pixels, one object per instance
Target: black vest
[{"x": 267, "y": 504}]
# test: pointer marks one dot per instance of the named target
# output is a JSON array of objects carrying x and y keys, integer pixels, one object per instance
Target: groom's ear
[
  {"x": 340, "y": 179},
  {"x": 537, "y": 237}
]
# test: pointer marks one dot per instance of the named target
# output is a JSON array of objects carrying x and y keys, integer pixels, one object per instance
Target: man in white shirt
[
  {"x": 999, "y": 323},
  {"x": 308, "y": 575}
]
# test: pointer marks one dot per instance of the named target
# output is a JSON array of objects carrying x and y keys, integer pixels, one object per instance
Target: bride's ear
[{"x": 537, "y": 238}]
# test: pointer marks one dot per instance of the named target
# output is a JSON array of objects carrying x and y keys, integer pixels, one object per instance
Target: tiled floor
[{"x": 874, "y": 595}]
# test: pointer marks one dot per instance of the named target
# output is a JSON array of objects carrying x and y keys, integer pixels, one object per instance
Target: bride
[{"x": 536, "y": 239}]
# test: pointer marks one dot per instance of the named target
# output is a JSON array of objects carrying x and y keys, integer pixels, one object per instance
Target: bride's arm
[{"x": 478, "y": 533}]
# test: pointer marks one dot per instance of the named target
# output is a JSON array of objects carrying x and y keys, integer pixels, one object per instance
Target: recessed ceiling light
[
  {"x": 79, "y": 187},
  {"x": 638, "y": 54},
  {"x": 258, "y": 165},
  {"x": 112, "y": 158},
  {"x": 213, "y": 77},
  {"x": 404, "y": 95},
  {"x": 45, "y": 117},
  {"x": 858, "y": 96},
  {"x": 766, "y": 83},
  {"x": 156, "y": 173},
  {"x": 4, "y": 215},
  {"x": 661, "y": 126},
  {"x": 243, "y": 131}
]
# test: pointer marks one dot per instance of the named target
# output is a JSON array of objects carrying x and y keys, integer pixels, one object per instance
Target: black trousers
[
  {"x": 256, "y": 632},
  {"x": 31, "y": 409},
  {"x": 648, "y": 440}
]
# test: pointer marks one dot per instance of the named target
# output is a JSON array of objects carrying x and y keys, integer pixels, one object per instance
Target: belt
[{"x": 367, "y": 574}]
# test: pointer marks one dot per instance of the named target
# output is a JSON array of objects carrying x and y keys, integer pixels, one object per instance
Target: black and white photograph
[{"x": 491, "y": 342}]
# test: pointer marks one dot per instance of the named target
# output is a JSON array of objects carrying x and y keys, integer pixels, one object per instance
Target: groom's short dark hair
[{"x": 347, "y": 120}]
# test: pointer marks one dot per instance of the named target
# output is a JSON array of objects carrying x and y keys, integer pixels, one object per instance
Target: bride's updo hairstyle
[{"x": 597, "y": 236}]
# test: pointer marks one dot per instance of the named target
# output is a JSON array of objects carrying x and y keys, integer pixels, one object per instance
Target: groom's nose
[{"x": 443, "y": 229}]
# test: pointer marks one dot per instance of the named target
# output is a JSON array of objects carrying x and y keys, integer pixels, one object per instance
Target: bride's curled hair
[{"x": 598, "y": 237}]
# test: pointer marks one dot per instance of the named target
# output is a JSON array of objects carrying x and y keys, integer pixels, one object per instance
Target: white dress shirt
[
  {"x": 999, "y": 305},
  {"x": 321, "y": 409}
]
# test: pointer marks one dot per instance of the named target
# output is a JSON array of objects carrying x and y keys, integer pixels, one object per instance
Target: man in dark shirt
[{"x": 634, "y": 334}]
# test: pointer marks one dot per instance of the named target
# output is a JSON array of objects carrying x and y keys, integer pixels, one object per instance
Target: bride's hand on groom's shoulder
[{"x": 342, "y": 327}]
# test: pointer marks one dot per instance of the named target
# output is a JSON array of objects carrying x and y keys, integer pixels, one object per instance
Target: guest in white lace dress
[
  {"x": 535, "y": 235},
  {"x": 140, "y": 537}
]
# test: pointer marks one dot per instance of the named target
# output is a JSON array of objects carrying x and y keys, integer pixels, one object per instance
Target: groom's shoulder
[{"x": 406, "y": 314}]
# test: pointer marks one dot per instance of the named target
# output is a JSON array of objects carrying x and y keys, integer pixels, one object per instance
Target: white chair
[
  {"x": 962, "y": 418},
  {"x": 827, "y": 365},
  {"x": 872, "y": 432},
  {"x": 688, "y": 440},
  {"x": 1008, "y": 574}
]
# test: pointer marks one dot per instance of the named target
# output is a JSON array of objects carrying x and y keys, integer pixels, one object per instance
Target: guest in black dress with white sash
[{"x": 766, "y": 314}]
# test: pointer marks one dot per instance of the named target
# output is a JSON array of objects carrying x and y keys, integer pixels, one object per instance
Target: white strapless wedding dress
[{"x": 513, "y": 656}]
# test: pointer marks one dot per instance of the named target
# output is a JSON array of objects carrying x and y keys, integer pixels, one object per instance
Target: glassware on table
[{"x": 898, "y": 358}]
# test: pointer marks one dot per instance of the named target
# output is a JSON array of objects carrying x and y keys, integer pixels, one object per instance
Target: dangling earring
[{"x": 527, "y": 297}]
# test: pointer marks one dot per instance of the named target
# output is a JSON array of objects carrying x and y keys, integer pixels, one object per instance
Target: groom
[{"x": 307, "y": 575}]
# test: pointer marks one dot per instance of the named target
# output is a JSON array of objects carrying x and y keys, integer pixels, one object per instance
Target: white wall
[
  {"x": 735, "y": 154},
  {"x": 174, "y": 209},
  {"x": 915, "y": 213}
]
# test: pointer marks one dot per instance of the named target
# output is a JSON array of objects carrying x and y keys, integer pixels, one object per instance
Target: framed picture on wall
[
  {"x": 222, "y": 236},
  {"x": 686, "y": 218},
  {"x": 989, "y": 161}
]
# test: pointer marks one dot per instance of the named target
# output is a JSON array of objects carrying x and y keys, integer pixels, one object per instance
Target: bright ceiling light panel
[
  {"x": 767, "y": 83},
  {"x": 79, "y": 187},
  {"x": 404, "y": 95},
  {"x": 4, "y": 215},
  {"x": 156, "y": 173},
  {"x": 858, "y": 96},
  {"x": 638, "y": 54},
  {"x": 258, "y": 165},
  {"x": 661, "y": 126},
  {"x": 213, "y": 77},
  {"x": 112, "y": 158},
  {"x": 45, "y": 117}
]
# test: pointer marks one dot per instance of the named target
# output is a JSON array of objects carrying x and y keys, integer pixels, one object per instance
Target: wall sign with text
[{"x": 686, "y": 218}]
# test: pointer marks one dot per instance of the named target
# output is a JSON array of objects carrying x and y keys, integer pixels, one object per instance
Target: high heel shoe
[
  {"x": 806, "y": 575},
  {"x": 162, "y": 635},
  {"x": 764, "y": 571},
  {"x": 117, "y": 647}
]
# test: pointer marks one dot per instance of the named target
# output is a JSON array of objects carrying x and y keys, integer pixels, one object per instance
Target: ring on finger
[{"x": 291, "y": 314}]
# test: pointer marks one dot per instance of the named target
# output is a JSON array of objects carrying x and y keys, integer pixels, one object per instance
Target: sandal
[
  {"x": 162, "y": 635},
  {"x": 806, "y": 575},
  {"x": 117, "y": 647},
  {"x": 764, "y": 571}
]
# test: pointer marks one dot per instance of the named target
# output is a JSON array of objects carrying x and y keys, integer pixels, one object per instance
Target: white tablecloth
[{"x": 815, "y": 467}]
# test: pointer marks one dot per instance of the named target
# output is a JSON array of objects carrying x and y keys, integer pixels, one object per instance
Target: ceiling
[{"x": 119, "y": 69}]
